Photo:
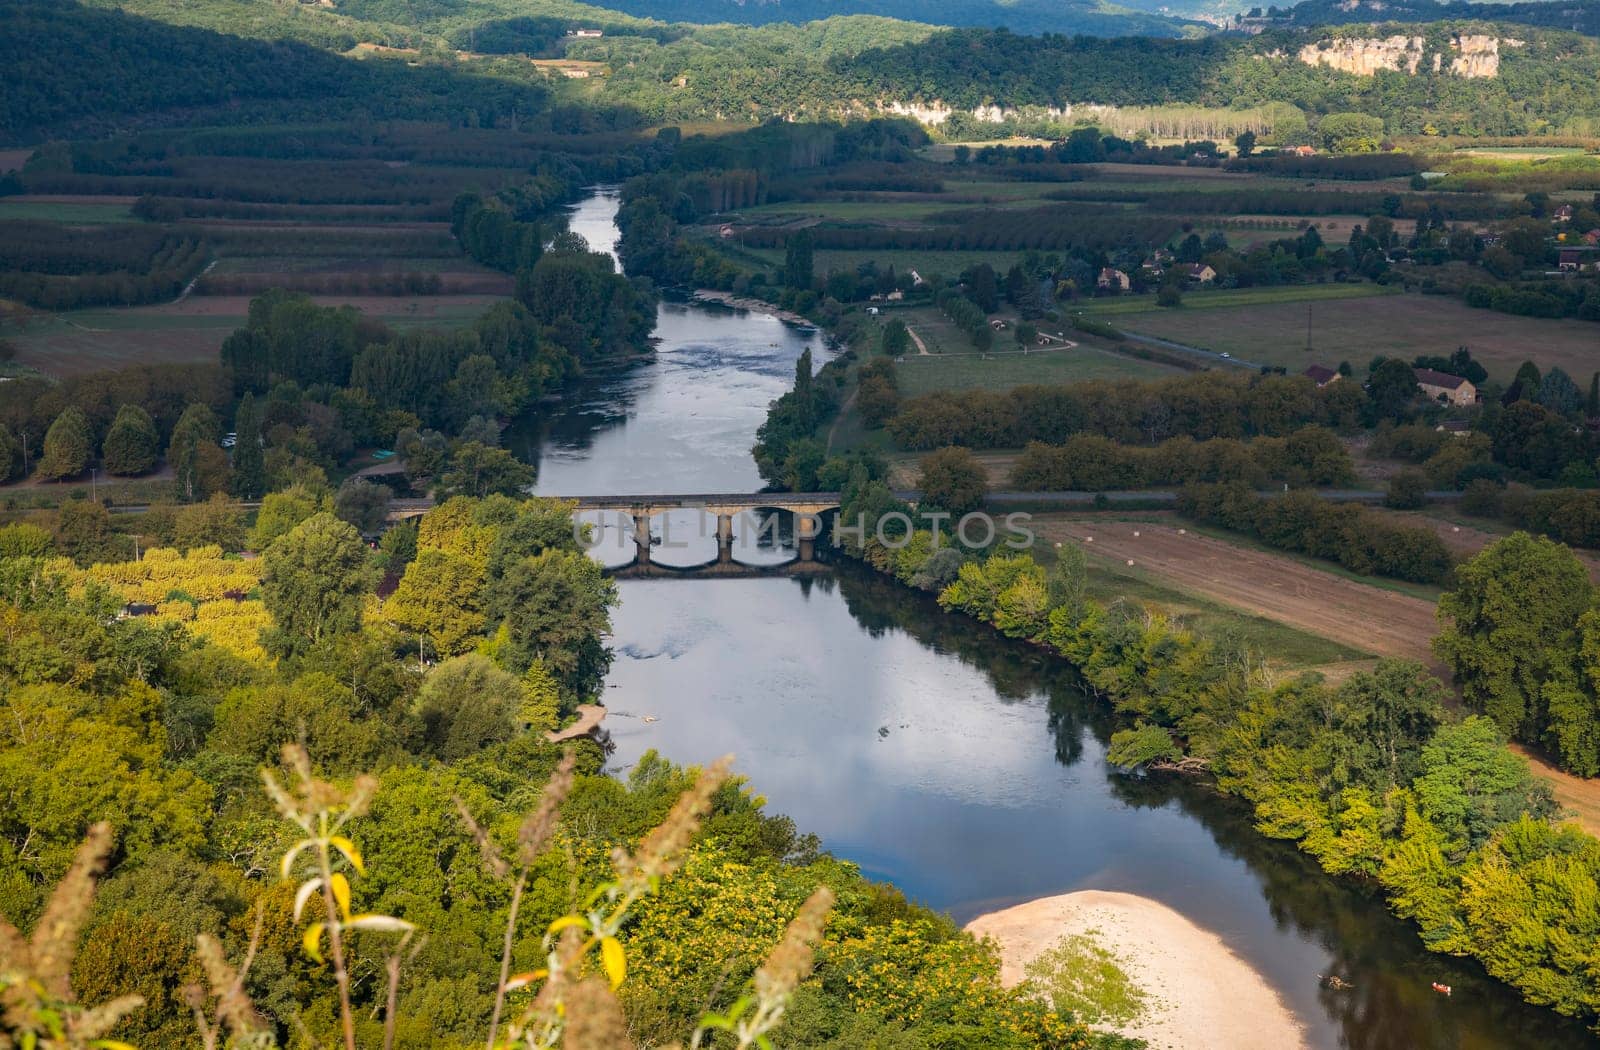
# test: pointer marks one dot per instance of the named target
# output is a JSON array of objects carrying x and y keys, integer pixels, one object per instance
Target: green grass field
[
  {"x": 1285, "y": 647},
  {"x": 50, "y": 211},
  {"x": 1358, "y": 329},
  {"x": 1002, "y": 371},
  {"x": 1227, "y": 298}
]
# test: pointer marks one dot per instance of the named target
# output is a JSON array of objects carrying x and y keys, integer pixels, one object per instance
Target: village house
[
  {"x": 1199, "y": 273},
  {"x": 1322, "y": 375},
  {"x": 1571, "y": 260},
  {"x": 1441, "y": 386},
  {"x": 1110, "y": 280}
]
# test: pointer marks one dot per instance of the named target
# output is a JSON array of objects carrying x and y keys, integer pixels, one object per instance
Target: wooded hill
[{"x": 1458, "y": 77}]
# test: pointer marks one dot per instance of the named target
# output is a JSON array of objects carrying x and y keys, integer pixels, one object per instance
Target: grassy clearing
[
  {"x": 1285, "y": 647},
  {"x": 1354, "y": 330},
  {"x": 1424, "y": 591},
  {"x": 921, "y": 375},
  {"x": 926, "y": 263},
  {"x": 1228, "y": 298},
  {"x": 74, "y": 213}
]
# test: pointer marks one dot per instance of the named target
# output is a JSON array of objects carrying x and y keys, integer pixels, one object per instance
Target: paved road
[{"x": 1210, "y": 355}]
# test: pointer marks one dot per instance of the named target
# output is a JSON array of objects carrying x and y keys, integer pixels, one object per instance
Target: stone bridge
[{"x": 807, "y": 507}]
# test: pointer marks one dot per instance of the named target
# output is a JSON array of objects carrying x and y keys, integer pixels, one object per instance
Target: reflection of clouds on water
[{"x": 671, "y": 640}]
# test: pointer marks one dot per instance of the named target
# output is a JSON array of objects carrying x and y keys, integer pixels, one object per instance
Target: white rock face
[
  {"x": 1473, "y": 55},
  {"x": 1477, "y": 56},
  {"x": 936, "y": 113},
  {"x": 1364, "y": 57}
]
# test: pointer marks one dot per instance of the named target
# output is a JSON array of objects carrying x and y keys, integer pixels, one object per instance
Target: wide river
[{"x": 965, "y": 769}]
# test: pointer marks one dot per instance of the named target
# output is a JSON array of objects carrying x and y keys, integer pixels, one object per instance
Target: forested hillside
[
  {"x": 466, "y": 63},
  {"x": 76, "y": 67},
  {"x": 1093, "y": 17},
  {"x": 1578, "y": 16}
]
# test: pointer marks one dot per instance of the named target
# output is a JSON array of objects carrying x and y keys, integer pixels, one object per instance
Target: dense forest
[
  {"x": 1578, "y": 16},
  {"x": 1088, "y": 17},
  {"x": 73, "y": 66}
]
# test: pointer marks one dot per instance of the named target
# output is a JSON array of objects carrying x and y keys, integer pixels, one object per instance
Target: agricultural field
[
  {"x": 1350, "y": 329},
  {"x": 1292, "y": 643},
  {"x": 76, "y": 211},
  {"x": 1004, "y": 369},
  {"x": 191, "y": 331}
]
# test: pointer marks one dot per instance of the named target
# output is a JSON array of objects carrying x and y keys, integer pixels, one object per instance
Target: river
[{"x": 966, "y": 769}]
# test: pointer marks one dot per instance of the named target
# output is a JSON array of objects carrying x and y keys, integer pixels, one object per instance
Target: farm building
[
  {"x": 1441, "y": 386},
  {"x": 1112, "y": 280},
  {"x": 1322, "y": 375},
  {"x": 1199, "y": 273}
]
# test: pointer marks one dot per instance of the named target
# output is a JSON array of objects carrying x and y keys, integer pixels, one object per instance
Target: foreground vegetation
[{"x": 436, "y": 852}]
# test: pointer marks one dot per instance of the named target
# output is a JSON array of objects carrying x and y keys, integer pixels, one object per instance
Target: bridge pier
[
  {"x": 724, "y": 539},
  {"x": 641, "y": 539},
  {"x": 806, "y": 527}
]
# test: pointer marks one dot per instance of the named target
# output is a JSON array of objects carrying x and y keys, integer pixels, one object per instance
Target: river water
[{"x": 964, "y": 768}]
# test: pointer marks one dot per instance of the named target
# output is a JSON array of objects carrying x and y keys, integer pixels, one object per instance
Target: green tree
[
  {"x": 799, "y": 266},
  {"x": 11, "y": 465},
  {"x": 132, "y": 444},
  {"x": 1351, "y": 132},
  {"x": 313, "y": 581},
  {"x": 83, "y": 532},
  {"x": 281, "y": 511},
  {"x": 68, "y": 444},
  {"x": 249, "y": 479},
  {"x": 1391, "y": 391},
  {"x": 1468, "y": 784},
  {"x": 1511, "y": 627},
  {"x": 439, "y": 598},
  {"x": 896, "y": 339},
  {"x": 556, "y": 607},
  {"x": 1408, "y": 490},
  {"x": 193, "y": 454},
  {"x": 478, "y": 470},
  {"x": 363, "y": 503},
  {"x": 467, "y": 704},
  {"x": 216, "y": 522},
  {"x": 953, "y": 480}
]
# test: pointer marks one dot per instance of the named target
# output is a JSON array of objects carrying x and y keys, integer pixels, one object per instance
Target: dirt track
[{"x": 1359, "y": 615}]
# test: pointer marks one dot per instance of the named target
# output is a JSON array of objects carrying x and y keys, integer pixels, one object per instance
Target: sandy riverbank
[
  {"x": 1200, "y": 995},
  {"x": 744, "y": 302}
]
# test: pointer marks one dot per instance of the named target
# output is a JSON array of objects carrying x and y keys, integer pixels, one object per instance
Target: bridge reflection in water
[{"x": 807, "y": 509}]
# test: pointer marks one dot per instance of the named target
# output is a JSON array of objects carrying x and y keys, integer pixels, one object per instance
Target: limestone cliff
[{"x": 1468, "y": 55}]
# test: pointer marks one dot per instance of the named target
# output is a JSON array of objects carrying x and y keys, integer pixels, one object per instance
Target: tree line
[
  {"x": 1202, "y": 406},
  {"x": 1092, "y": 463},
  {"x": 1356, "y": 537}
]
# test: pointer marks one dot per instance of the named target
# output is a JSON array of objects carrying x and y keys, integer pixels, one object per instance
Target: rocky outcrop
[
  {"x": 1364, "y": 57},
  {"x": 1470, "y": 55},
  {"x": 935, "y": 113},
  {"x": 1478, "y": 55}
]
